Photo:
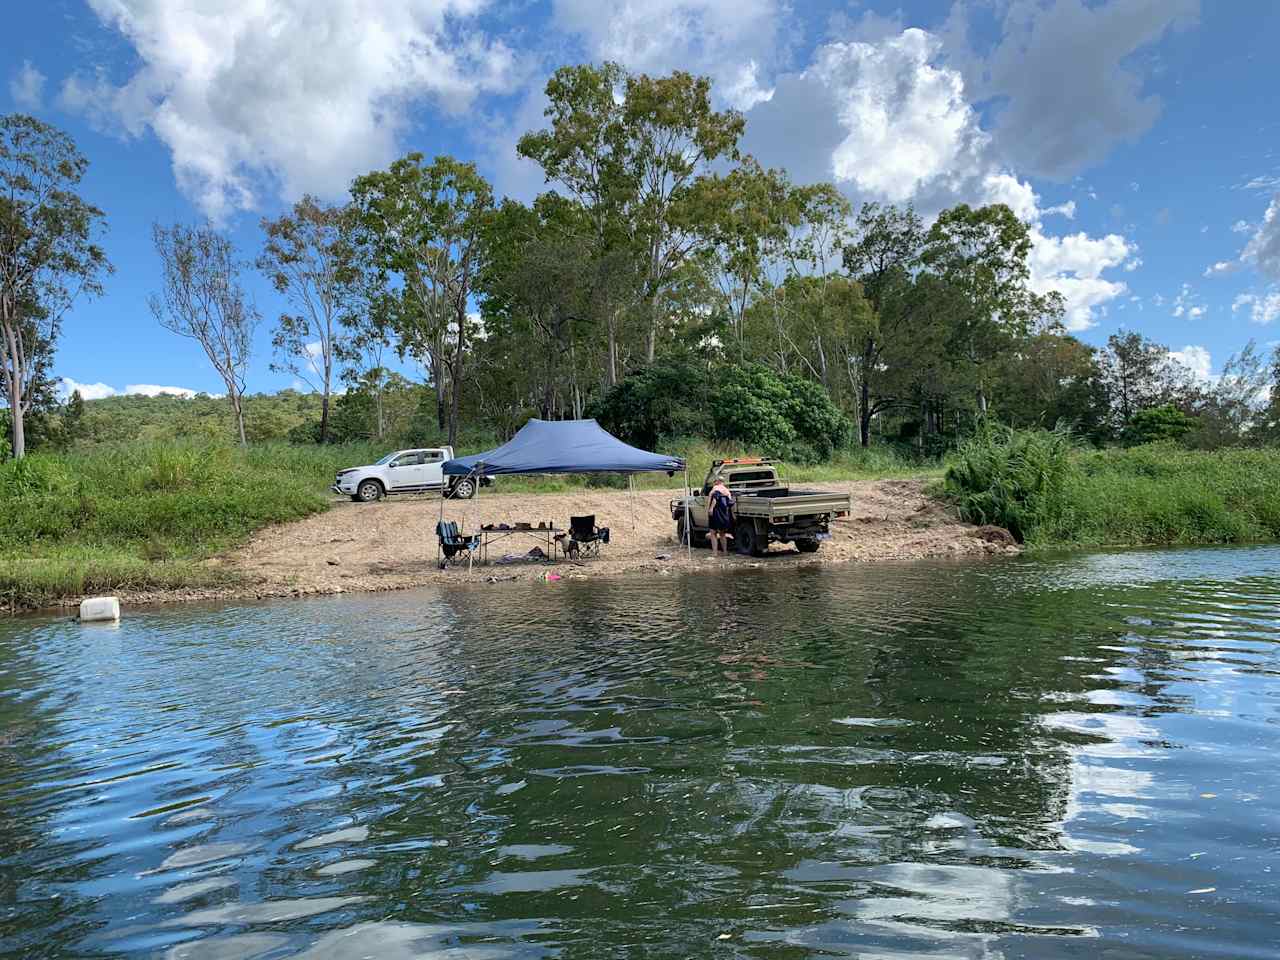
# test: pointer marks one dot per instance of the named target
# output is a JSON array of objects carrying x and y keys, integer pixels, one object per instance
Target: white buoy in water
[{"x": 97, "y": 609}]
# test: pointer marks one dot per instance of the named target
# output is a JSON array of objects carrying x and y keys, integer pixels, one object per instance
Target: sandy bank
[{"x": 391, "y": 545}]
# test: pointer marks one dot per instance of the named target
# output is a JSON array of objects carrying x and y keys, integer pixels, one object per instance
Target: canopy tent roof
[{"x": 563, "y": 446}]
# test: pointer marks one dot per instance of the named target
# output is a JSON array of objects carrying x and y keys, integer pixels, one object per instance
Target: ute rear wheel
[
  {"x": 746, "y": 541},
  {"x": 369, "y": 491},
  {"x": 464, "y": 489}
]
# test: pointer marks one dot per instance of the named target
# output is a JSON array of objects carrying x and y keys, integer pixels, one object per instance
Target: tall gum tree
[
  {"x": 632, "y": 150},
  {"x": 423, "y": 225},
  {"x": 309, "y": 258},
  {"x": 201, "y": 298},
  {"x": 982, "y": 253},
  {"x": 48, "y": 256}
]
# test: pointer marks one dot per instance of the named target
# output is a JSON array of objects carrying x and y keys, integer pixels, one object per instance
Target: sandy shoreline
[{"x": 392, "y": 545}]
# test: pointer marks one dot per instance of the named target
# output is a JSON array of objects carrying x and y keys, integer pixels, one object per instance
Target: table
[{"x": 545, "y": 536}]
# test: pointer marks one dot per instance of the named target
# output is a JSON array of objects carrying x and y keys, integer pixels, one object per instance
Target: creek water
[{"x": 1071, "y": 757}]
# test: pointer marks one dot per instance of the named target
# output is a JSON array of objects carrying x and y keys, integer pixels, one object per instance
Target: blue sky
[{"x": 1141, "y": 138}]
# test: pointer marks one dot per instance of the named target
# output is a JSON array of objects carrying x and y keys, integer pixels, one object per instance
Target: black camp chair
[
  {"x": 585, "y": 537},
  {"x": 453, "y": 546}
]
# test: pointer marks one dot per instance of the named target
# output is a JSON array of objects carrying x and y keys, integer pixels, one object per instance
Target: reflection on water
[{"x": 1066, "y": 758}]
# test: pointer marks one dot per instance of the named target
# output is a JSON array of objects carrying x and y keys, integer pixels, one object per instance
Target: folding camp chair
[
  {"x": 453, "y": 546},
  {"x": 585, "y": 537}
]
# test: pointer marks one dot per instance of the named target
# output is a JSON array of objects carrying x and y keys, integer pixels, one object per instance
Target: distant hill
[{"x": 268, "y": 416}]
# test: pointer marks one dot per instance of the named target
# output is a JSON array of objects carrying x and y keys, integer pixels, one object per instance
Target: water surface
[{"x": 1068, "y": 758}]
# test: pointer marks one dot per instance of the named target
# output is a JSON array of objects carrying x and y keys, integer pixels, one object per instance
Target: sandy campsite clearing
[{"x": 392, "y": 545}]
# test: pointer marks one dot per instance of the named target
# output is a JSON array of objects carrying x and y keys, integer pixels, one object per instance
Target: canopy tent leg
[
  {"x": 442, "y": 493},
  {"x": 688, "y": 531},
  {"x": 631, "y": 486}
]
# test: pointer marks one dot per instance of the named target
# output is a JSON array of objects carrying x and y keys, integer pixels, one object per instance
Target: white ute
[{"x": 405, "y": 471}]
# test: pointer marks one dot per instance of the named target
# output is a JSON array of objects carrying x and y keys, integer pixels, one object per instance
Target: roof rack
[{"x": 740, "y": 461}]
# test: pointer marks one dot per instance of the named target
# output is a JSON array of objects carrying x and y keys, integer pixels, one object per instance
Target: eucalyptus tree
[
  {"x": 309, "y": 257},
  {"x": 422, "y": 223},
  {"x": 632, "y": 150},
  {"x": 982, "y": 254},
  {"x": 884, "y": 255},
  {"x": 201, "y": 298},
  {"x": 48, "y": 255},
  {"x": 536, "y": 288}
]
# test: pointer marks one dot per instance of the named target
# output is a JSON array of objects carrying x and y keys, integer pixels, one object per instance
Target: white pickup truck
[{"x": 405, "y": 471}]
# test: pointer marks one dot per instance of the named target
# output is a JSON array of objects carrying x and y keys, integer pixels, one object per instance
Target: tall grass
[
  {"x": 1012, "y": 478},
  {"x": 1049, "y": 492},
  {"x": 145, "y": 515},
  {"x": 1162, "y": 494}
]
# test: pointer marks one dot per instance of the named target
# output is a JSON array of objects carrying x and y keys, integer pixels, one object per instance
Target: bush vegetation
[
  {"x": 1050, "y": 492},
  {"x": 145, "y": 515}
]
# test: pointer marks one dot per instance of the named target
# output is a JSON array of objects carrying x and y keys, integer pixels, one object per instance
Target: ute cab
[{"x": 418, "y": 470}]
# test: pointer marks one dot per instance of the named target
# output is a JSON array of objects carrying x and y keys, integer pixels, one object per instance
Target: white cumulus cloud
[
  {"x": 88, "y": 391},
  {"x": 26, "y": 87},
  {"x": 906, "y": 120},
  {"x": 1073, "y": 265},
  {"x": 1196, "y": 359},
  {"x": 99, "y": 391},
  {"x": 295, "y": 95},
  {"x": 1263, "y": 308},
  {"x": 1263, "y": 248},
  {"x": 154, "y": 390},
  {"x": 735, "y": 42}
]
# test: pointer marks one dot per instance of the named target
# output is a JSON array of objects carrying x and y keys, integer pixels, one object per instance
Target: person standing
[{"x": 720, "y": 517}]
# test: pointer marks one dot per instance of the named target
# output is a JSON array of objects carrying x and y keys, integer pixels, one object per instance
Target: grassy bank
[
  {"x": 148, "y": 516},
  {"x": 1051, "y": 493},
  {"x": 145, "y": 516}
]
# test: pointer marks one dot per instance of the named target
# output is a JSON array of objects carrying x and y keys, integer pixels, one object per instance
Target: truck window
[
  {"x": 434, "y": 456},
  {"x": 753, "y": 476}
]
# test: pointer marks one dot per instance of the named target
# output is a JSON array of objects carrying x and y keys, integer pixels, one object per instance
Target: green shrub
[
  {"x": 665, "y": 399},
  {"x": 1011, "y": 478},
  {"x": 1158, "y": 424}
]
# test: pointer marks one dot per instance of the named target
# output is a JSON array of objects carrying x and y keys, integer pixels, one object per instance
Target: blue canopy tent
[{"x": 564, "y": 446}]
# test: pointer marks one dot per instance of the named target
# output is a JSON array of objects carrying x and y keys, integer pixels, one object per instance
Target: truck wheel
[
  {"x": 682, "y": 535},
  {"x": 464, "y": 489},
  {"x": 369, "y": 491},
  {"x": 746, "y": 541},
  {"x": 808, "y": 545}
]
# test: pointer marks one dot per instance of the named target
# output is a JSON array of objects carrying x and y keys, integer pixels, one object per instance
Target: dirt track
[{"x": 392, "y": 545}]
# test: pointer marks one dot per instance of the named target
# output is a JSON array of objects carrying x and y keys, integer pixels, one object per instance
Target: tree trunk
[
  {"x": 19, "y": 428},
  {"x": 613, "y": 350},
  {"x": 864, "y": 397},
  {"x": 11, "y": 356},
  {"x": 437, "y": 374},
  {"x": 982, "y": 400},
  {"x": 238, "y": 406},
  {"x": 324, "y": 416},
  {"x": 456, "y": 376},
  {"x": 382, "y": 427}
]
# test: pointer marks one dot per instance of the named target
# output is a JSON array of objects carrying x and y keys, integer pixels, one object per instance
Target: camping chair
[
  {"x": 585, "y": 537},
  {"x": 453, "y": 545}
]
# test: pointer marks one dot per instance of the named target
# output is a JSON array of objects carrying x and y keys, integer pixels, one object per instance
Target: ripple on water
[{"x": 852, "y": 762}]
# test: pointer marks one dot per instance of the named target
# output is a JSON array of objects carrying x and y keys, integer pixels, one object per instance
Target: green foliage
[
  {"x": 1165, "y": 423},
  {"x": 667, "y": 399},
  {"x": 1011, "y": 478},
  {"x": 781, "y": 416},
  {"x": 1160, "y": 494},
  {"x": 138, "y": 515}
]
